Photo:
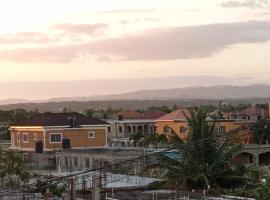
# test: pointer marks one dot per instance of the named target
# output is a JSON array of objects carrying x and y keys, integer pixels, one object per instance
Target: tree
[
  {"x": 12, "y": 169},
  {"x": 261, "y": 131},
  {"x": 175, "y": 107},
  {"x": 136, "y": 137},
  {"x": 206, "y": 161},
  {"x": 88, "y": 112},
  {"x": 19, "y": 114}
]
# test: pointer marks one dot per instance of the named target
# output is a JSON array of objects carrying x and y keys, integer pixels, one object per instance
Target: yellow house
[
  {"x": 176, "y": 123},
  {"x": 56, "y": 131},
  {"x": 173, "y": 123}
]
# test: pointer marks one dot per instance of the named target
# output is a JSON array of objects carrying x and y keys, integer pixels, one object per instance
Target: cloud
[
  {"x": 24, "y": 37},
  {"x": 182, "y": 42},
  {"x": 69, "y": 31},
  {"x": 89, "y": 29},
  {"x": 246, "y": 3},
  {"x": 51, "y": 54},
  {"x": 129, "y": 11},
  {"x": 158, "y": 44}
]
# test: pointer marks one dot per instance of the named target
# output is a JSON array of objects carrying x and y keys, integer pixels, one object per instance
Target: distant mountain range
[
  {"x": 198, "y": 92},
  {"x": 13, "y": 101},
  {"x": 36, "y": 90},
  {"x": 194, "y": 92}
]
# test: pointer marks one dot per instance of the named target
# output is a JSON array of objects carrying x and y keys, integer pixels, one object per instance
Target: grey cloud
[
  {"x": 246, "y": 3},
  {"x": 159, "y": 44},
  {"x": 90, "y": 29},
  {"x": 182, "y": 42}
]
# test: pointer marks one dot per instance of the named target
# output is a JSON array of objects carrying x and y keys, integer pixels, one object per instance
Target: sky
[{"x": 68, "y": 40}]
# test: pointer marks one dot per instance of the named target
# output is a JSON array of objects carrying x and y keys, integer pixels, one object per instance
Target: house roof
[
  {"x": 179, "y": 114},
  {"x": 251, "y": 111},
  {"x": 141, "y": 115},
  {"x": 130, "y": 114},
  {"x": 153, "y": 115},
  {"x": 59, "y": 119}
]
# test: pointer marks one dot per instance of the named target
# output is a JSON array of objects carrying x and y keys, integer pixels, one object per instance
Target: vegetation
[
  {"x": 55, "y": 188},
  {"x": 13, "y": 172},
  {"x": 101, "y": 113},
  {"x": 206, "y": 161},
  {"x": 261, "y": 131}
]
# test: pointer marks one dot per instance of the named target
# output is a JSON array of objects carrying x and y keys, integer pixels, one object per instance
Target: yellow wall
[
  {"x": 175, "y": 126},
  {"x": 78, "y": 137},
  {"x": 31, "y": 140},
  {"x": 244, "y": 136}
]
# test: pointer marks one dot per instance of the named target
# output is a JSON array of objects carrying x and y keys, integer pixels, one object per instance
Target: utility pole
[
  {"x": 96, "y": 190},
  {"x": 73, "y": 188},
  {"x": 97, "y": 183}
]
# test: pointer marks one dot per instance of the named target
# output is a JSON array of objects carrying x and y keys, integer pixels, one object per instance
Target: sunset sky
[{"x": 62, "y": 40}]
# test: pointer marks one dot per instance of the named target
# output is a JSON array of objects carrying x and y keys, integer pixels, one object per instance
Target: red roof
[
  {"x": 140, "y": 115},
  {"x": 153, "y": 115},
  {"x": 251, "y": 111},
  {"x": 179, "y": 114}
]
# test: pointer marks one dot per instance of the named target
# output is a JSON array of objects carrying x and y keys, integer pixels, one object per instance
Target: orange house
[
  {"x": 173, "y": 123},
  {"x": 56, "y": 131},
  {"x": 176, "y": 123}
]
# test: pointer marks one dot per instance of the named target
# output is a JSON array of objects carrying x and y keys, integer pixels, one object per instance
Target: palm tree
[{"x": 206, "y": 161}]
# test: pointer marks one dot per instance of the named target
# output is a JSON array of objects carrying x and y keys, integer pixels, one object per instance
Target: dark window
[
  {"x": 109, "y": 129},
  {"x": 91, "y": 135},
  {"x": 55, "y": 137},
  {"x": 183, "y": 129},
  {"x": 25, "y": 137},
  {"x": 120, "y": 129},
  {"x": 166, "y": 129}
]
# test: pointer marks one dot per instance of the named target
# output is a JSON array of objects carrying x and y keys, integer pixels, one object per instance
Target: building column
[
  {"x": 256, "y": 159},
  {"x": 131, "y": 129},
  {"x": 58, "y": 164}
]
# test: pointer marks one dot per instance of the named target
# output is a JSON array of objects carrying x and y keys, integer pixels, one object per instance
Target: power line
[{"x": 62, "y": 178}]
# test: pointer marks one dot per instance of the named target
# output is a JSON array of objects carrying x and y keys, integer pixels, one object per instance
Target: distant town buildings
[{"x": 253, "y": 113}]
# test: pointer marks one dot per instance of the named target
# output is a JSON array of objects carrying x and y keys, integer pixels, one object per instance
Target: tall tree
[{"x": 206, "y": 160}]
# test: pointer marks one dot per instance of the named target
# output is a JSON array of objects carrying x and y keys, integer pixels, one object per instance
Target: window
[
  {"x": 35, "y": 136},
  {"x": 183, "y": 129},
  {"x": 91, "y": 135},
  {"x": 109, "y": 129},
  {"x": 18, "y": 137},
  {"x": 166, "y": 129},
  {"x": 25, "y": 137},
  {"x": 55, "y": 137},
  {"x": 220, "y": 129},
  {"x": 120, "y": 129}
]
